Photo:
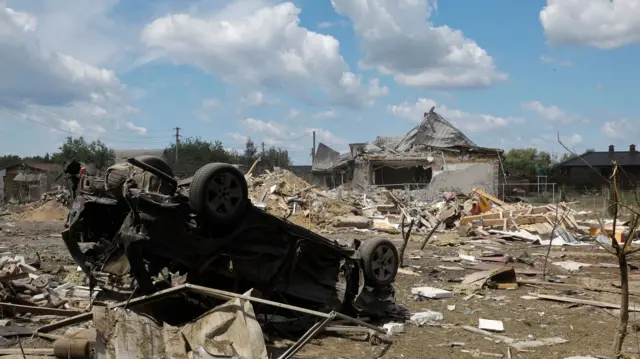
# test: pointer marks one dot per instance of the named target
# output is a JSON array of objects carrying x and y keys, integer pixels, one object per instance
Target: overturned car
[{"x": 137, "y": 228}]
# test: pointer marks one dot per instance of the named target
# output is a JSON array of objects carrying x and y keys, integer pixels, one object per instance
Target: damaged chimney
[
  {"x": 632, "y": 148},
  {"x": 611, "y": 149}
]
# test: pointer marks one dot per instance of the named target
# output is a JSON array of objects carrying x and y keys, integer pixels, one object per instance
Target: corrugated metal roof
[
  {"x": 434, "y": 131},
  {"x": 325, "y": 158}
]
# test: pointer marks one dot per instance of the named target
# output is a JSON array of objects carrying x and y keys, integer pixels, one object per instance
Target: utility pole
[
  {"x": 262, "y": 148},
  {"x": 177, "y": 141},
  {"x": 313, "y": 150}
]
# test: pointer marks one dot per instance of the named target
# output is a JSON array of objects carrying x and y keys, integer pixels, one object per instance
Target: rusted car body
[{"x": 139, "y": 225}]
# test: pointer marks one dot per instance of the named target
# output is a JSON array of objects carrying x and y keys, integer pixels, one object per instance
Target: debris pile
[
  {"x": 92, "y": 322},
  {"x": 49, "y": 210},
  {"x": 283, "y": 193}
]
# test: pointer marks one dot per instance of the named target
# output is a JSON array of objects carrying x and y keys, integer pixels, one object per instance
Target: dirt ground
[{"x": 589, "y": 330}]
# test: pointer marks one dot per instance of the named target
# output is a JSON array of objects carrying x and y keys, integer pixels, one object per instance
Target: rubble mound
[
  {"x": 51, "y": 210},
  {"x": 282, "y": 193}
]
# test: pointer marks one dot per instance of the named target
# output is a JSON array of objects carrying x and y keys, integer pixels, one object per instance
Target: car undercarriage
[{"x": 138, "y": 229}]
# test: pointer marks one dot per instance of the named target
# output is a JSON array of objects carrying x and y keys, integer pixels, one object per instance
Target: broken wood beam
[
  {"x": 18, "y": 308},
  {"x": 573, "y": 286},
  {"x": 595, "y": 303}
]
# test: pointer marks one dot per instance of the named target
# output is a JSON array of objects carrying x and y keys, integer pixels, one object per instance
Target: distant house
[
  {"x": 590, "y": 169},
  {"x": 26, "y": 182}
]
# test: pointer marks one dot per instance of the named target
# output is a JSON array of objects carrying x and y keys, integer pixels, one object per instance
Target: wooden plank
[
  {"x": 18, "y": 308},
  {"x": 489, "y": 197},
  {"x": 595, "y": 303},
  {"x": 518, "y": 220}
]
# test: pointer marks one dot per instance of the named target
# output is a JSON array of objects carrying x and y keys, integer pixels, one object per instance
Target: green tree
[
  {"x": 79, "y": 149},
  {"x": 250, "y": 152},
  {"x": 9, "y": 160},
  {"x": 528, "y": 160},
  {"x": 195, "y": 153}
]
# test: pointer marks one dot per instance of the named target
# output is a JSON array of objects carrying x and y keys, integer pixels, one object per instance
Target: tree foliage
[
  {"x": 195, "y": 153},
  {"x": 528, "y": 161},
  {"x": 95, "y": 152}
]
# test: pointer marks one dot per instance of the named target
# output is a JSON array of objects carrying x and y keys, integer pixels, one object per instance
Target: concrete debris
[
  {"x": 428, "y": 317},
  {"x": 491, "y": 325},
  {"x": 477, "y": 215},
  {"x": 432, "y": 293},
  {"x": 394, "y": 328}
]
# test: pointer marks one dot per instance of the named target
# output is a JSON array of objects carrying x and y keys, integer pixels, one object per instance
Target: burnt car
[{"x": 138, "y": 225}]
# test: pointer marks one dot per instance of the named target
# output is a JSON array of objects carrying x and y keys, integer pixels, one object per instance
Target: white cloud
[
  {"x": 260, "y": 47},
  {"x": 138, "y": 129},
  {"x": 397, "y": 39},
  {"x": 210, "y": 103},
  {"x": 40, "y": 82},
  {"x": 553, "y": 60},
  {"x": 464, "y": 121},
  {"x": 254, "y": 99},
  {"x": 572, "y": 140},
  {"x": 239, "y": 138},
  {"x": 553, "y": 113},
  {"x": 32, "y": 73},
  {"x": 619, "y": 129},
  {"x": 296, "y": 139},
  {"x": 329, "y": 138},
  {"x": 293, "y": 113},
  {"x": 267, "y": 128},
  {"x": 85, "y": 30},
  {"x": 332, "y": 113},
  {"x": 605, "y": 24}
]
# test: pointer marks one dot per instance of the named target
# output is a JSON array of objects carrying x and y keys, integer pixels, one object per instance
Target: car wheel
[
  {"x": 219, "y": 191},
  {"x": 380, "y": 261},
  {"x": 157, "y": 162}
]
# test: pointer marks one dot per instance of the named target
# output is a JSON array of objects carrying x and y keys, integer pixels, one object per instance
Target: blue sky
[{"x": 508, "y": 74}]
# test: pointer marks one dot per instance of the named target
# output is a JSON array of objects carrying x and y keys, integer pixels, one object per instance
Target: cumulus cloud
[
  {"x": 620, "y": 129},
  {"x": 296, "y": 139},
  {"x": 40, "y": 83},
  {"x": 464, "y": 121},
  {"x": 605, "y": 24},
  {"x": 553, "y": 113},
  {"x": 40, "y": 76},
  {"x": 398, "y": 39},
  {"x": 261, "y": 47},
  {"x": 332, "y": 113},
  {"x": 255, "y": 99}
]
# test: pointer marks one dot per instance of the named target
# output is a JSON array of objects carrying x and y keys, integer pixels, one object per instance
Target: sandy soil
[{"x": 588, "y": 329}]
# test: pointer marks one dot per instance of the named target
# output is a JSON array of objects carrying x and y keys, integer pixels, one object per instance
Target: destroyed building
[{"x": 434, "y": 155}]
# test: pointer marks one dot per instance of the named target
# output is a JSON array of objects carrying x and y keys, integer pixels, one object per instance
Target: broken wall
[
  {"x": 361, "y": 173},
  {"x": 463, "y": 177}
]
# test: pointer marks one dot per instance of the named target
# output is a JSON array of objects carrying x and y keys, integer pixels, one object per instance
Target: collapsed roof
[{"x": 433, "y": 132}]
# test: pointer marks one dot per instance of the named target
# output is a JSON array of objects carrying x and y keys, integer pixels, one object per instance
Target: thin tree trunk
[{"x": 621, "y": 331}]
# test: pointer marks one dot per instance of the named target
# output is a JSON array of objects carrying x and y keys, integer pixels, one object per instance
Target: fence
[{"x": 531, "y": 192}]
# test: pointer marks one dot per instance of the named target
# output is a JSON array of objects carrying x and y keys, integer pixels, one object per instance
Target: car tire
[
  {"x": 158, "y": 162},
  {"x": 380, "y": 261},
  {"x": 219, "y": 191}
]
